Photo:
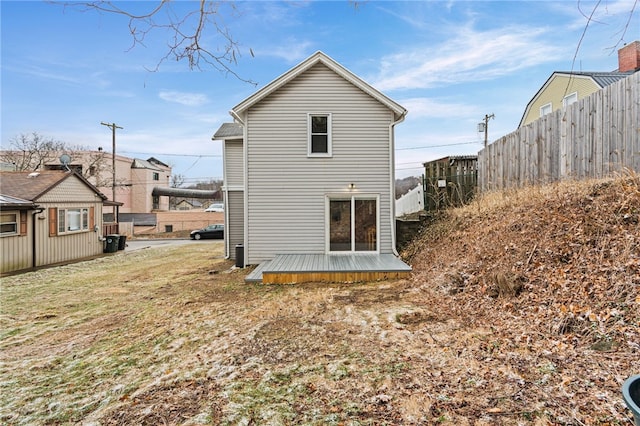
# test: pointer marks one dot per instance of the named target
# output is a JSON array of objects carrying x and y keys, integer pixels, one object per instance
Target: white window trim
[
  {"x": 329, "y": 138},
  {"x": 543, "y": 107},
  {"x": 15, "y": 223},
  {"x": 327, "y": 215},
  {"x": 566, "y": 98},
  {"x": 83, "y": 225}
]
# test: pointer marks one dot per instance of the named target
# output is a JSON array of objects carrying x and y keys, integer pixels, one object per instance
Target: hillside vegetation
[
  {"x": 523, "y": 309},
  {"x": 552, "y": 276}
]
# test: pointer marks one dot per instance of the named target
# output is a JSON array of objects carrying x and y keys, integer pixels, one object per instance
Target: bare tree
[
  {"x": 98, "y": 168},
  {"x": 177, "y": 181},
  {"x": 211, "y": 185},
  {"x": 186, "y": 27},
  {"x": 30, "y": 152},
  {"x": 407, "y": 184}
]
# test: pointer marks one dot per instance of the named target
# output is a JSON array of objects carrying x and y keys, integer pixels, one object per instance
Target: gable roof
[
  {"x": 145, "y": 164},
  {"x": 601, "y": 79},
  {"x": 33, "y": 185},
  {"x": 319, "y": 58},
  {"x": 154, "y": 160},
  {"x": 192, "y": 203}
]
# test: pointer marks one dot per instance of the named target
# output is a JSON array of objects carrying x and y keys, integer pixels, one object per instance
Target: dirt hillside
[{"x": 553, "y": 276}]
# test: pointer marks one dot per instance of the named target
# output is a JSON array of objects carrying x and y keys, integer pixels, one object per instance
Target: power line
[
  {"x": 410, "y": 168},
  {"x": 435, "y": 146},
  {"x": 173, "y": 155},
  {"x": 409, "y": 162}
]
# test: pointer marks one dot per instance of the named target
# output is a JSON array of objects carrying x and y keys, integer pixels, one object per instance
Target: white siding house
[
  {"x": 233, "y": 185},
  {"x": 312, "y": 155}
]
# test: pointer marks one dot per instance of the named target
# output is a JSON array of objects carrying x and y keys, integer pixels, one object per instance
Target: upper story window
[
  {"x": 8, "y": 224},
  {"x": 569, "y": 99},
  {"x": 319, "y": 134},
  {"x": 156, "y": 176},
  {"x": 545, "y": 109}
]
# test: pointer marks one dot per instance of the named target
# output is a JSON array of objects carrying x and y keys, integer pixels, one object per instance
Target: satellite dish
[{"x": 65, "y": 159}]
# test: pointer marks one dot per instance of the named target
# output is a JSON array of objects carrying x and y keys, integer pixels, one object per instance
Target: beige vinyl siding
[
  {"x": 559, "y": 87},
  {"x": 69, "y": 194},
  {"x": 234, "y": 229},
  {"x": 233, "y": 164},
  {"x": 287, "y": 190},
  {"x": 16, "y": 249},
  {"x": 71, "y": 189}
]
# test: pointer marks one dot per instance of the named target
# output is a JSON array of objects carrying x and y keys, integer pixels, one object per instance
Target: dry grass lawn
[{"x": 523, "y": 309}]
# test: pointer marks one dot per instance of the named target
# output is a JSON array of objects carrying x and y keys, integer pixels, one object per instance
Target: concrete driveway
[{"x": 133, "y": 245}]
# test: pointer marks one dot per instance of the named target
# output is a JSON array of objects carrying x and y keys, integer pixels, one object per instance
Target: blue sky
[{"x": 448, "y": 62}]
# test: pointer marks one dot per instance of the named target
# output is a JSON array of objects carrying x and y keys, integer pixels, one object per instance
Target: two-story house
[
  {"x": 309, "y": 177},
  {"x": 563, "y": 88}
]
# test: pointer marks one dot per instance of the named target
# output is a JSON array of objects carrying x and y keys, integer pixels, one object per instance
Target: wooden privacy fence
[
  {"x": 594, "y": 137},
  {"x": 450, "y": 182}
]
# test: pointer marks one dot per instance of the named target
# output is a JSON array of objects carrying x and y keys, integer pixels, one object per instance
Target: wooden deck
[{"x": 299, "y": 268}]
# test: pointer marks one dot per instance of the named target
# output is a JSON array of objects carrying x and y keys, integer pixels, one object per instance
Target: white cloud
[
  {"x": 212, "y": 119},
  {"x": 45, "y": 74},
  {"x": 413, "y": 21},
  {"x": 184, "y": 98},
  {"x": 291, "y": 51},
  {"x": 469, "y": 56},
  {"x": 424, "y": 107}
]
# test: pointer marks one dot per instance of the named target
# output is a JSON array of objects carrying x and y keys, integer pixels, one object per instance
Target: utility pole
[
  {"x": 484, "y": 126},
  {"x": 113, "y": 156}
]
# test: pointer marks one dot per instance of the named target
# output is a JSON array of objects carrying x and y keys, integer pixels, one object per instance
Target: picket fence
[{"x": 411, "y": 202}]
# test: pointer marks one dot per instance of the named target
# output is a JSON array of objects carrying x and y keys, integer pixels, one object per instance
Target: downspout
[
  {"x": 245, "y": 192},
  {"x": 392, "y": 183},
  {"x": 38, "y": 210},
  {"x": 225, "y": 200}
]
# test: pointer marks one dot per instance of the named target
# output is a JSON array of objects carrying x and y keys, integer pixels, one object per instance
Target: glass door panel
[
  {"x": 340, "y": 225},
  {"x": 366, "y": 234}
]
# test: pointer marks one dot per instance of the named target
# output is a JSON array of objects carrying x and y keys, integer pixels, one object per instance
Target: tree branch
[{"x": 187, "y": 40}]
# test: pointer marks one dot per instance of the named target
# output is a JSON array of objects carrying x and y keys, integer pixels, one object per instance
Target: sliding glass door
[{"x": 353, "y": 224}]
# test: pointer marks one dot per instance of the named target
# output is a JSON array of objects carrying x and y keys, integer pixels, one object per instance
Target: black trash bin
[
  {"x": 111, "y": 244},
  {"x": 239, "y": 256},
  {"x": 631, "y": 395},
  {"x": 122, "y": 242}
]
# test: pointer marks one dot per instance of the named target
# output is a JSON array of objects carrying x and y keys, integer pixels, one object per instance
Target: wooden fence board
[{"x": 594, "y": 137}]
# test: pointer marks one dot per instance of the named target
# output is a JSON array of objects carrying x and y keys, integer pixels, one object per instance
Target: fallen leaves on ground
[{"x": 523, "y": 309}]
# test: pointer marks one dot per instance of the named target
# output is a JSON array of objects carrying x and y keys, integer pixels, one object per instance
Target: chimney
[{"x": 629, "y": 57}]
